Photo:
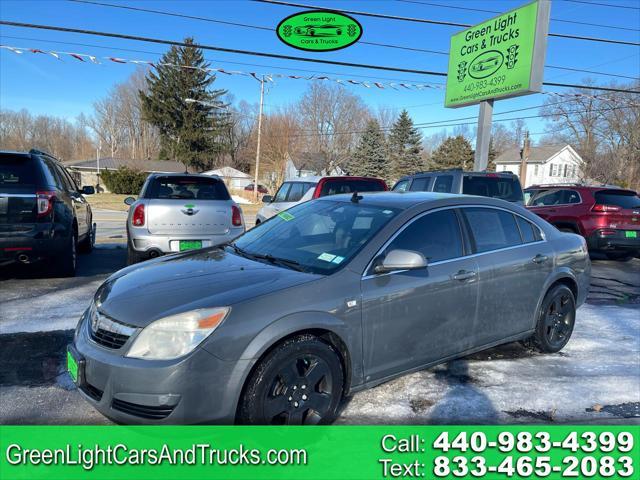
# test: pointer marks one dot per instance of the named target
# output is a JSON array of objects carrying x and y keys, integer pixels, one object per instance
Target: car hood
[{"x": 207, "y": 278}]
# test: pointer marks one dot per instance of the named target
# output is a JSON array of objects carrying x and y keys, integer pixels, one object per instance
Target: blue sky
[{"x": 67, "y": 88}]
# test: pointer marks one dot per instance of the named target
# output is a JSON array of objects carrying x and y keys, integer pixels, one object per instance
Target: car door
[
  {"x": 415, "y": 317},
  {"x": 78, "y": 201},
  {"x": 513, "y": 266}
]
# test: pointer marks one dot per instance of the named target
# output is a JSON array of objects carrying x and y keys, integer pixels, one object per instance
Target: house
[
  {"x": 544, "y": 164},
  {"x": 232, "y": 177},
  {"x": 85, "y": 171},
  {"x": 309, "y": 164}
]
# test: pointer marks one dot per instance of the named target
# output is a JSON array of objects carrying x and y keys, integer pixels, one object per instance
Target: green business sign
[
  {"x": 319, "y": 30},
  {"x": 502, "y": 57}
]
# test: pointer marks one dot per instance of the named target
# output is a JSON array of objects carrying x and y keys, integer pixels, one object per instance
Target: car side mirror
[
  {"x": 129, "y": 201},
  {"x": 88, "y": 190},
  {"x": 401, "y": 260},
  {"x": 267, "y": 199}
]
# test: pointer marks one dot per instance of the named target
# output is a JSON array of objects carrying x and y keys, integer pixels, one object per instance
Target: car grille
[
  {"x": 143, "y": 411},
  {"x": 91, "y": 391},
  {"x": 108, "y": 332}
]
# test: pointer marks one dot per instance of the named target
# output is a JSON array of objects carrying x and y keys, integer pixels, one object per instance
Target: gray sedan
[{"x": 328, "y": 298}]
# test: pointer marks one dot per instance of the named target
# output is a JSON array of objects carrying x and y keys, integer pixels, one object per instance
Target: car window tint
[
  {"x": 443, "y": 184},
  {"x": 502, "y": 187},
  {"x": 297, "y": 190},
  {"x": 622, "y": 199},
  {"x": 571, "y": 196},
  {"x": 550, "y": 197},
  {"x": 70, "y": 180},
  {"x": 436, "y": 235},
  {"x": 281, "y": 194},
  {"x": 420, "y": 184},
  {"x": 66, "y": 182},
  {"x": 334, "y": 187},
  {"x": 401, "y": 186},
  {"x": 17, "y": 171},
  {"x": 528, "y": 230},
  {"x": 492, "y": 229},
  {"x": 187, "y": 188}
]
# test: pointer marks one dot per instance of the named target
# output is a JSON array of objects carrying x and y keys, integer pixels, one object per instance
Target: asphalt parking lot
[{"x": 595, "y": 379}]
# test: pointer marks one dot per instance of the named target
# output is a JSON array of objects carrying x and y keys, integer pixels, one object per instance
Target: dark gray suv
[
  {"x": 503, "y": 185},
  {"x": 330, "y": 297}
]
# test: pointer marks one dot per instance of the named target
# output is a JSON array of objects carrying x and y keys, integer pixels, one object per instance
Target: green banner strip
[{"x": 336, "y": 452}]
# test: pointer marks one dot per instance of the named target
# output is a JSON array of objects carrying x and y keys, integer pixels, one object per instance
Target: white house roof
[
  {"x": 227, "y": 172},
  {"x": 542, "y": 154}
]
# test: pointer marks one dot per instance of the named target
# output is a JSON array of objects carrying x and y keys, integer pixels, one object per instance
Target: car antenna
[{"x": 355, "y": 198}]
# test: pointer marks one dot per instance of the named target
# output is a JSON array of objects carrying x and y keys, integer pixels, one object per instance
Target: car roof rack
[
  {"x": 35, "y": 151},
  {"x": 552, "y": 185}
]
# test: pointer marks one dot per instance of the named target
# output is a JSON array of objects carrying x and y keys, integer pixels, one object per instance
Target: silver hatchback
[{"x": 178, "y": 212}]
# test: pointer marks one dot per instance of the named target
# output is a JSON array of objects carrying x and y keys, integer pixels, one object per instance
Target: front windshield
[{"x": 317, "y": 237}]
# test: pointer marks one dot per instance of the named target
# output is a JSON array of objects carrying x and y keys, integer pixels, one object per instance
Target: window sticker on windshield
[
  {"x": 286, "y": 216},
  {"x": 387, "y": 212},
  {"x": 338, "y": 259},
  {"x": 327, "y": 257}
]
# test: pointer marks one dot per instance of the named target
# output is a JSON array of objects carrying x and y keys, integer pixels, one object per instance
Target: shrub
[{"x": 124, "y": 180}]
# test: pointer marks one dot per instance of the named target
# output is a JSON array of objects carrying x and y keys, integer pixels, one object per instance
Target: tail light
[
  {"x": 138, "y": 216},
  {"x": 605, "y": 208},
  {"x": 45, "y": 201},
  {"x": 236, "y": 216}
]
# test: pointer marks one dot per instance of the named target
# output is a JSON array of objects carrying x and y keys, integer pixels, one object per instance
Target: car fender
[{"x": 558, "y": 274}]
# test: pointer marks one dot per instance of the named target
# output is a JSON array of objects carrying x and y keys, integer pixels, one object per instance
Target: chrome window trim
[{"x": 440, "y": 262}]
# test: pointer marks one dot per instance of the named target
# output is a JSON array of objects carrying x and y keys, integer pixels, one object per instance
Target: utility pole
[
  {"x": 255, "y": 182},
  {"x": 481, "y": 157},
  {"x": 524, "y": 158}
]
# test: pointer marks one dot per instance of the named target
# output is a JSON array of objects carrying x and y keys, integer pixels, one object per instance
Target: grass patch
[{"x": 108, "y": 201}]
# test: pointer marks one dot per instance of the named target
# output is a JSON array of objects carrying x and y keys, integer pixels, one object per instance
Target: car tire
[
  {"x": 620, "y": 256},
  {"x": 133, "y": 256},
  {"x": 86, "y": 245},
  {"x": 67, "y": 261},
  {"x": 556, "y": 319},
  {"x": 300, "y": 381}
]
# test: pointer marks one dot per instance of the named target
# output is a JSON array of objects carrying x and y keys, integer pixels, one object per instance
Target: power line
[
  {"x": 434, "y": 22},
  {"x": 602, "y": 4},
  {"x": 559, "y": 20},
  {"x": 274, "y": 55},
  {"x": 401, "y": 47}
]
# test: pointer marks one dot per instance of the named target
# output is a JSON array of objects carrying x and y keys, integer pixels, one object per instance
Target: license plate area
[
  {"x": 631, "y": 234},
  {"x": 75, "y": 365},
  {"x": 189, "y": 245}
]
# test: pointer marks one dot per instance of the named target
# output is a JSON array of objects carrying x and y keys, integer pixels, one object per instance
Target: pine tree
[
  {"x": 405, "y": 147},
  {"x": 181, "y": 105},
  {"x": 370, "y": 155},
  {"x": 491, "y": 164},
  {"x": 454, "y": 152}
]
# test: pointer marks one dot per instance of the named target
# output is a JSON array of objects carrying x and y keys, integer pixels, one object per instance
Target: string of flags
[
  {"x": 97, "y": 60},
  {"x": 83, "y": 57}
]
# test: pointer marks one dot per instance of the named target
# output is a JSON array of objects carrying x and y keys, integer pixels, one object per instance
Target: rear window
[
  {"x": 504, "y": 188},
  {"x": 492, "y": 229},
  {"x": 622, "y": 199},
  {"x": 334, "y": 187},
  {"x": 18, "y": 171},
  {"x": 187, "y": 188}
]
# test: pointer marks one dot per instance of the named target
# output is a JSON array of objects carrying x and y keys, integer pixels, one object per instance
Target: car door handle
[
  {"x": 463, "y": 275},
  {"x": 540, "y": 258}
]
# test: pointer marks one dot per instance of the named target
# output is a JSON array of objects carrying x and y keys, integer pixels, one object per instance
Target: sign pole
[
  {"x": 255, "y": 181},
  {"x": 481, "y": 157}
]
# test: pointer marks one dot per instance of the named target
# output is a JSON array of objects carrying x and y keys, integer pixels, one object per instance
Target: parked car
[
  {"x": 261, "y": 188},
  {"x": 43, "y": 213},
  {"x": 341, "y": 294},
  {"x": 177, "y": 212},
  {"x": 293, "y": 192},
  {"x": 608, "y": 217},
  {"x": 503, "y": 185}
]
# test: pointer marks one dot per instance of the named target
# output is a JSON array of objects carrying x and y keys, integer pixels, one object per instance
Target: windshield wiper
[{"x": 271, "y": 259}]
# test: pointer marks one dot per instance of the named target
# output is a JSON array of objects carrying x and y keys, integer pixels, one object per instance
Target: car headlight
[{"x": 176, "y": 335}]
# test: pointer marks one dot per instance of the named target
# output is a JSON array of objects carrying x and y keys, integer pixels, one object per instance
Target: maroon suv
[{"x": 608, "y": 217}]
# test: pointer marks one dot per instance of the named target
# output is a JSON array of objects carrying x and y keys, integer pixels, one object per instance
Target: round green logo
[{"x": 319, "y": 30}]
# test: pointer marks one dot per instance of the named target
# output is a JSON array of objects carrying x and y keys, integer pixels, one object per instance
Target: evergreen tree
[
  {"x": 369, "y": 157},
  {"x": 454, "y": 152},
  {"x": 181, "y": 105},
  {"x": 491, "y": 165},
  {"x": 405, "y": 147}
]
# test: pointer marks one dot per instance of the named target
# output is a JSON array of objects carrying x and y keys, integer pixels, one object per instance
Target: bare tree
[
  {"x": 333, "y": 119},
  {"x": 281, "y": 140}
]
